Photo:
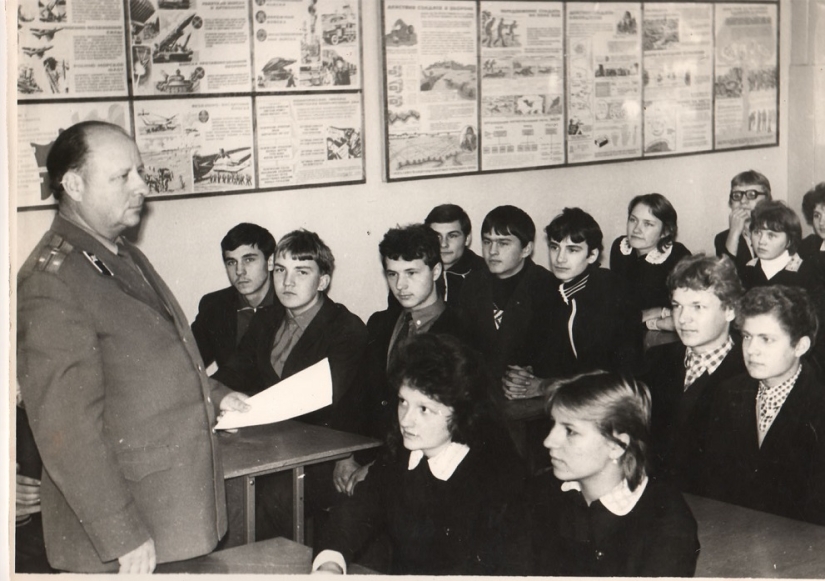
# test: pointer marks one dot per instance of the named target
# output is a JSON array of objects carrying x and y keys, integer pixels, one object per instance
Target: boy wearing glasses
[{"x": 747, "y": 189}]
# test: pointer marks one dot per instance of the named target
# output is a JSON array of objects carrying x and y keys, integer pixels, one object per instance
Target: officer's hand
[
  {"x": 139, "y": 561},
  {"x": 27, "y": 498}
]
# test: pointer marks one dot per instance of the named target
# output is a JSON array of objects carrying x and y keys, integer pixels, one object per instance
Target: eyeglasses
[{"x": 750, "y": 194}]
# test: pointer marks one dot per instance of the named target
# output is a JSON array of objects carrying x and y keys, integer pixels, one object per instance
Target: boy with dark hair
[
  {"x": 283, "y": 342},
  {"x": 684, "y": 377},
  {"x": 225, "y": 315},
  {"x": 506, "y": 307},
  {"x": 747, "y": 189},
  {"x": 411, "y": 258},
  {"x": 593, "y": 321},
  {"x": 455, "y": 235},
  {"x": 765, "y": 448}
]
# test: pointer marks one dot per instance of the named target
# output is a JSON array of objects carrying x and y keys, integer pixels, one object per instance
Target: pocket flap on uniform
[{"x": 138, "y": 463}]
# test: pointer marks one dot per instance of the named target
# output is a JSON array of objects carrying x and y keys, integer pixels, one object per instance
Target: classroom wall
[{"x": 182, "y": 237}]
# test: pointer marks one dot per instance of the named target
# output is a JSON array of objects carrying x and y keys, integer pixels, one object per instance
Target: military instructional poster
[
  {"x": 565, "y": 83},
  {"x": 220, "y": 95},
  {"x": 431, "y": 86},
  {"x": 747, "y": 78},
  {"x": 522, "y": 84}
]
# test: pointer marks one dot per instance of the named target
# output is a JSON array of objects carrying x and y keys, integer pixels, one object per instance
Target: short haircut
[
  {"x": 617, "y": 404},
  {"x": 660, "y": 207},
  {"x": 752, "y": 178},
  {"x": 448, "y": 371},
  {"x": 246, "y": 234},
  {"x": 716, "y": 274},
  {"x": 70, "y": 151},
  {"x": 791, "y": 306},
  {"x": 813, "y": 198},
  {"x": 305, "y": 245},
  {"x": 411, "y": 243},
  {"x": 509, "y": 220},
  {"x": 776, "y": 216},
  {"x": 446, "y": 213},
  {"x": 579, "y": 226}
]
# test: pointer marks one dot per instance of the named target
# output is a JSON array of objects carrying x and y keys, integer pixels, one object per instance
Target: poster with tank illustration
[
  {"x": 604, "y": 81},
  {"x": 307, "y": 45},
  {"x": 196, "y": 145},
  {"x": 185, "y": 47},
  {"x": 431, "y": 88},
  {"x": 70, "y": 49},
  {"x": 677, "y": 41},
  {"x": 309, "y": 139},
  {"x": 522, "y": 84},
  {"x": 746, "y": 86},
  {"x": 38, "y": 125}
]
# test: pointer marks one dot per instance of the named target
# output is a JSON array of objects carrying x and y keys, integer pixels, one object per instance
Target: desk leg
[
  {"x": 249, "y": 508},
  {"x": 298, "y": 504}
]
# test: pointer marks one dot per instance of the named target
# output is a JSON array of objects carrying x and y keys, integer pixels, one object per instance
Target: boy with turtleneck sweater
[{"x": 593, "y": 320}]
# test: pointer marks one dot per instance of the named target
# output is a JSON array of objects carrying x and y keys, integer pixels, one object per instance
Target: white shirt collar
[
  {"x": 443, "y": 464},
  {"x": 774, "y": 265},
  {"x": 655, "y": 256},
  {"x": 620, "y": 500}
]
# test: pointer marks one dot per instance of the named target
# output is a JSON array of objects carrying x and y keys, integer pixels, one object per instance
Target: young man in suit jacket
[
  {"x": 765, "y": 448},
  {"x": 280, "y": 343},
  {"x": 248, "y": 252},
  {"x": 684, "y": 377},
  {"x": 747, "y": 189}
]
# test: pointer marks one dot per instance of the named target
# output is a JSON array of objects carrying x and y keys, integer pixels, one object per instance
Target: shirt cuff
[{"x": 329, "y": 556}]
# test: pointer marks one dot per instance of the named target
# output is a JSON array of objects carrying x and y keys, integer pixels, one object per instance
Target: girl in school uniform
[
  {"x": 598, "y": 513},
  {"x": 647, "y": 254},
  {"x": 813, "y": 208},
  {"x": 440, "y": 494}
]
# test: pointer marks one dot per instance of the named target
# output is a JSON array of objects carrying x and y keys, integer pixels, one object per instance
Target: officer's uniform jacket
[{"x": 119, "y": 405}]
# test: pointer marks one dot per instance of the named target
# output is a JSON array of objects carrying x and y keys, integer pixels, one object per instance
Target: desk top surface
[
  {"x": 274, "y": 556},
  {"x": 740, "y": 542},
  {"x": 285, "y": 445}
]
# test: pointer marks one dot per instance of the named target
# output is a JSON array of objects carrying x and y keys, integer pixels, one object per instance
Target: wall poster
[
  {"x": 431, "y": 87},
  {"x": 222, "y": 96},
  {"x": 568, "y": 82},
  {"x": 747, "y": 75}
]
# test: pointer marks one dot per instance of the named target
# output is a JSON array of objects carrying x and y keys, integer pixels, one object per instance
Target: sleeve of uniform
[
  {"x": 200, "y": 329},
  {"x": 346, "y": 356},
  {"x": 62, "y": 380},
  {"x": 241, "y": 371}
]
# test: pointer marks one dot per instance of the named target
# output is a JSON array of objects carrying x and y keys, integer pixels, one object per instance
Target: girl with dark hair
[
  {"x": 440, "y": 492},
  {"x": 813, "y": 208},
  {"x": 605, "y": 517},
  {"x": 647, "y": 254}
]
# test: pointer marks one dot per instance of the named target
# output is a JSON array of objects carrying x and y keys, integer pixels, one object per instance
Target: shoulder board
[
  {"x": 794, "y": 263},
  {"x": 752, "y": 262},
  {"x": 52, "y": 254}
]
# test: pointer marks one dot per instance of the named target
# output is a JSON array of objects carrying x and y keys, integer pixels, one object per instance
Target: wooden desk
[
  {"x": 290, "y": 445},
  {"x": 740, "y": 542},
  {"x": 272, "y": 557}
]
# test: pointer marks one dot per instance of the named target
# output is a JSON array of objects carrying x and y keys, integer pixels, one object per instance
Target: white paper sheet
[{"x": 304, "y": 392}]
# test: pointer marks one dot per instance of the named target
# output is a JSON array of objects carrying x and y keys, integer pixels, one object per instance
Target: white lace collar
[
  {"x": 620, "y": 500},
  {"x": 443, "y": 464},
  {"x": 655, "y": 256}
]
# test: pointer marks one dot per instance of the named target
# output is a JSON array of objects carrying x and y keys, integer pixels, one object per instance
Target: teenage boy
[
  {"x": 506, "y": 307},
  {"x": 593, "y": 320},
  {"x": 224, "y": 316},
  {"x": 684, "y": 377},
  {"x": 765, "y": 448},
  {"x": 747, "y": 189},
  {"x": 411, "y": 258},
  {"x": 280, "y": 343},
  {"x": 455, "y": 234}
]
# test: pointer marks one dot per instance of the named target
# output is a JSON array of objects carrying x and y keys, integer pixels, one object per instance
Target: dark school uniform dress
[
  {"x": 216, "y": 326},
  {"x": 796, "y": 273},
  {"x": 786, "y": 474},
  {"x": 593, "y": 325},
  {"x": 566, "y": 537},
  {"x": 681, "y": 417},
  {"x": 646, "y": 276},
  {"x": 812, "y": 246},
  {"x": 436, "y": 527}
]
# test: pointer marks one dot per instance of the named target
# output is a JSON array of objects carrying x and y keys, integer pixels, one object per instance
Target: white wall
[{"x": 182, "y": 237}]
